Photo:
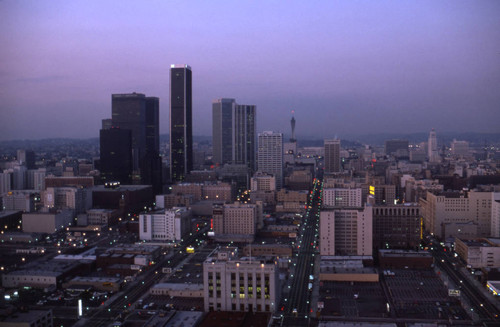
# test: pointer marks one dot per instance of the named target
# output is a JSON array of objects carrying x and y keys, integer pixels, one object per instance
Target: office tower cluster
[{"x": 130, "y": 141}]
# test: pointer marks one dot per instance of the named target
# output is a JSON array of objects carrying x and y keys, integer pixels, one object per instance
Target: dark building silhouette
[
  {"x": 129, "y": 112},
  {"x": 181, "y": 122},
  {"x": 116, "y": 155},
  {"x": 139, "y": 116}
]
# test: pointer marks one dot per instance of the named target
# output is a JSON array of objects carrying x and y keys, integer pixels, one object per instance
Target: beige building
[
  {"x": 235, "y": 219},
  {"x": 262, "y": 182},
  {"x": 445, "y": 213},
  {"x": 346, "y": 231},
  {"x": 194, "y": 189},
  {"x": 49, "y": 222},
  {"x": 479, "y": 253},
  {"x": 218, "y": 192},
  {"x": 240, "y": 284}
]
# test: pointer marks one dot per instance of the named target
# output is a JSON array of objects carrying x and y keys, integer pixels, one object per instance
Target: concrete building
[
  {"x": 397, "y": 148},
  {"x": 222, "y": 192},
  {"x": 102, "y": 217},
  {"x": 342, "y": 197},
  {"x": 75, "y": 198},
  {"x": 432, "y": 148},
  {"x": 165, "y": 225},
  {"x": 495, "y": 216},
  {"x": 451, "y": 214},
  {"x": 5, "y": 182},
  {"x": 479, "y": 253},
  {"x": 270, "y": 155},
  {"x": 262, "y": 182},
  {"x": 332, "y": 156},
  {"x": 460, "y": 148},
  {"x": 168, "y": 201},
  {"x": 235, "y": 219},
  {"x": 23, "y": 200},
  {"x": 233, "y": 133},
  {"x": 346, "y": 231},
  {"x": 49, "y": 222},
  {"x": 194, "y": 189},
  {"x": 32, "y": 318},
  {"x": 396, "y": 226},
  {"x": 233, "y": 283}
]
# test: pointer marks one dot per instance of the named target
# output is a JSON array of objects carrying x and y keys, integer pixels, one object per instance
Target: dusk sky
[{"x": 345, "y": 67}]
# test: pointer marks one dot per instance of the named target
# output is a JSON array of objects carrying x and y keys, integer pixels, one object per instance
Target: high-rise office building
[
  {"x": 270, "y": 155},
  {"x": 116, "y": 155},
  {"x": 233, "y": 132},
  {"x": 181, "y": 122},
  {"x": 332, "y": 156},
  {"x": 432, "y": 147},
  {"x": 138, "y": 115},
  {"x": 129, "y": 112}
]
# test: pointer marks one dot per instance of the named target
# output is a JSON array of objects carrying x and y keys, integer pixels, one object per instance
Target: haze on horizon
[{"x": 345, "y": 67}]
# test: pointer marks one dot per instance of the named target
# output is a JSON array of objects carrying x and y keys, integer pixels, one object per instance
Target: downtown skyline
[{"x": 346, "y": 67}]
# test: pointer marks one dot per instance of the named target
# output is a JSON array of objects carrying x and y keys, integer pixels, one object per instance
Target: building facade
[
  {"x": 181, "y": 122},
  {"x": 332, "y": 156},
  {"x": 240, "y": 284},
  {"x": 346, "y": 231},
  {"x": 165, "y": 225},
  {"x": 270, "y": 155}
]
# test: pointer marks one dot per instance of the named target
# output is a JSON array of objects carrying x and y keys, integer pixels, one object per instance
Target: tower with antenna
[{"x": 292, "y": 122}]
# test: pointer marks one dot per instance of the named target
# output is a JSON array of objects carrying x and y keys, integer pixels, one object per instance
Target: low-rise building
[
  {"x": 233, "y": 283},
  {"x": 479, "y": 253}
]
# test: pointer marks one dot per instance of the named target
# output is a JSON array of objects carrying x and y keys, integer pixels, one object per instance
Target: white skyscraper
[
  {"x": 270, "y": 155},
  {"x": 432, "y": 147}
]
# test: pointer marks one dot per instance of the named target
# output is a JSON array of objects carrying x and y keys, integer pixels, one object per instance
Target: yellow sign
[{"x": 372, "y": 190}]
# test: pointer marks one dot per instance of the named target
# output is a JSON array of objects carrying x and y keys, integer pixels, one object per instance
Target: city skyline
[{"x": 343, "y": 67}]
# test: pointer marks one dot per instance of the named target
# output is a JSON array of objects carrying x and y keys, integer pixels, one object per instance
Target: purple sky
[{"x": 343, "y": 66}]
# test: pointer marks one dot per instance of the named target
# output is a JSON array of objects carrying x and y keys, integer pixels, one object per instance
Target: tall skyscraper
[
  {"x": 130, "y": 141},
  {"x": 432, "y": 147},
  {"x": 181, "y": 122},
  {"x": 270, "y": 155},
  {"x": 233, "y": 132},
  {"x": 116, "y": 155},
  {"x": 332, "y": 156},
  {"x": 129, "y": 112}
]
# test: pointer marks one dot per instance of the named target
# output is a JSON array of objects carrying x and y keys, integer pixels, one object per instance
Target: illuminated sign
[{"x": 372, "y": 190}]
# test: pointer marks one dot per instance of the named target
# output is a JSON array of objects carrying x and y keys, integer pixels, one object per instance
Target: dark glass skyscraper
[
  {"x": 129, "y": 112},
  {"x": 116, "y": 155},
  {"x": 135, "y": 121},
  {"x": 181, "y": 122}
]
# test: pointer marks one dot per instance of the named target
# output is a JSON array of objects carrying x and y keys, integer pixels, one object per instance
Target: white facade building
[
  {"x": 240, "y": 284},
  {"x": 270, "y": 155},
  {"x": 165, "y": 225},
  {"x": 342, "y": 197}
]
